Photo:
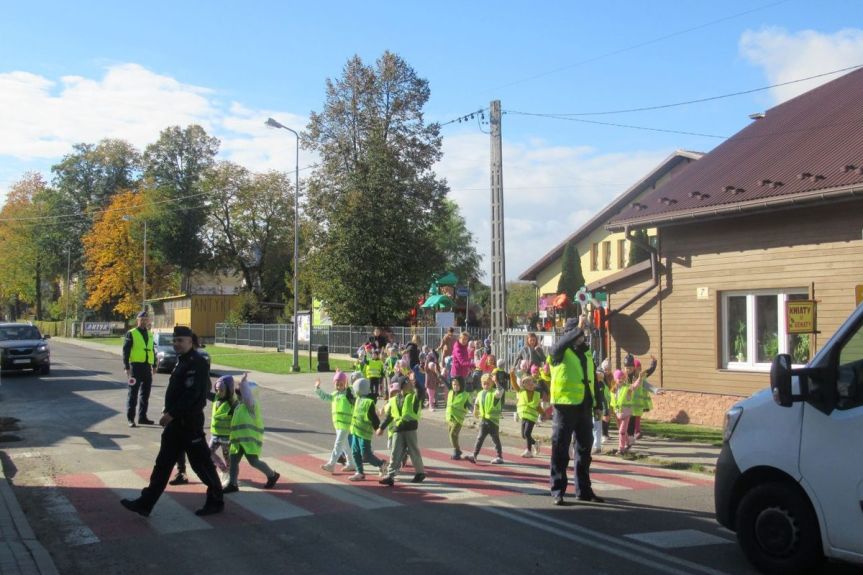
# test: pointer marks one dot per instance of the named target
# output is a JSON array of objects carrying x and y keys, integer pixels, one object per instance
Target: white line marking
[
  {"x": 60, "y": 509},
  {"x": 265, "y": 505},
  {"x": 677, "y": 538},
  {"x": 331, "y": 487},
  {"x": 607, "y": 543},
  {"x": 167, "y": 517}
]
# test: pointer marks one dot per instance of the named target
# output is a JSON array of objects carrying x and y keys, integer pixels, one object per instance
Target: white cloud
[
  {"x": 786, "y": 56},
  {"x": 549, "y": 191}
]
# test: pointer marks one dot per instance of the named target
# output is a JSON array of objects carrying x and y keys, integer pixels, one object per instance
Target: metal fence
[
  {"x": 509, "y": 344},
  {"x": 344, "y": 339}
]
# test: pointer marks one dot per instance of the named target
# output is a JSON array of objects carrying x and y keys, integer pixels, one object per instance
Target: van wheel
[{"x": 778, "y": 530}]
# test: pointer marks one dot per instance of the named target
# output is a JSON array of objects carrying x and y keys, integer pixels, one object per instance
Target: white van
[{"x": 789, "y": 479}]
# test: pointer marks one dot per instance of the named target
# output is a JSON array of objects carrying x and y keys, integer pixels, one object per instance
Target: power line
[
  {"x": 710, "y": 98},
  {"x": 641, "y": 44},
  {"x": 614, "y": 124},
  {"x": 478, "y": 114}
]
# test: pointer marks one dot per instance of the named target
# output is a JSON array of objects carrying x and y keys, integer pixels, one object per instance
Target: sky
[{"x": 73, "y": 72}]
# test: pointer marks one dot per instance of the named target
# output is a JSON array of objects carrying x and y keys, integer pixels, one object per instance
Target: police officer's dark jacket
[{"x": 187, "y": 388}]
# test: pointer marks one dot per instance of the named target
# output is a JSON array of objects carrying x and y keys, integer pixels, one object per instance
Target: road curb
[{"x": 27, "y": 552}]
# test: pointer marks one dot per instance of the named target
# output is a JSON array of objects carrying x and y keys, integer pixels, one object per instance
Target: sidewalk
[
  {"x": 652, "y": 449},
  {"x": 20, "y": 551}
]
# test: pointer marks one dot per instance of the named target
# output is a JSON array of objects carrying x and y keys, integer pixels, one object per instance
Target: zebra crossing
[{"x": 89, "y": 511}]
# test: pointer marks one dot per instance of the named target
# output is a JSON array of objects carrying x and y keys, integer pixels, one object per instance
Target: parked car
[
  {"x": 166, "y": 357},
  {"x": 23, "y": 347}
]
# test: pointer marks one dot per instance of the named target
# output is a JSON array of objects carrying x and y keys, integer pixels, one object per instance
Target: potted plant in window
[{"x": 740, "y": 341}]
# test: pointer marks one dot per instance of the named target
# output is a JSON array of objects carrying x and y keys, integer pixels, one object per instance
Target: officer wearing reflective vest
[
  {"x": 183, "y": 420},
  {"x": 572, "y": 377},
  {"x": 139, "y": 361}
]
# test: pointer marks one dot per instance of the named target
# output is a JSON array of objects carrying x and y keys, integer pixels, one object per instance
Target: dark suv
[
  {"x": 23, "y": 347},
  {"x": 166, "y": 357}
]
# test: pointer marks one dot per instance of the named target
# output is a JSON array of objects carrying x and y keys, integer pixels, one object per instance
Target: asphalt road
[{"x": 76, "y": 458}]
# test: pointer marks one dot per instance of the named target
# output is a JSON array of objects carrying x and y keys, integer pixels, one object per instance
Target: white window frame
[{"x": 751, "y": 338}]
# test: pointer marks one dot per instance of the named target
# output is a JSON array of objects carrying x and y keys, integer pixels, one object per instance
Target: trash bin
[{"x": 323, "y": 358}]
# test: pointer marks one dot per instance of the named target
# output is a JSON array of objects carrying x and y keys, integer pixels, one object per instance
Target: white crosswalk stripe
[{"x": 171, "y": 517}]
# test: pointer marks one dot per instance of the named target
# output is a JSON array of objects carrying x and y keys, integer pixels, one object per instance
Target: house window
[
  {"x": 753, "y": 329},
  {"x": 594, "y": 257},
  {"x": 621, "y": 254},
  {"x": 606, "y": 255}
]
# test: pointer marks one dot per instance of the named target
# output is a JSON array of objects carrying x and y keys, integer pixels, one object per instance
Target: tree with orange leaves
[{"x": 114, "y": 256}]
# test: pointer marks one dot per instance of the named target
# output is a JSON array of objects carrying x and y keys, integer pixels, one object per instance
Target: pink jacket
[{"x": 462, "y": 363}]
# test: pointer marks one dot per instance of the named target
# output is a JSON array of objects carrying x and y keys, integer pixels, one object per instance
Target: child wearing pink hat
[{"x": 342, "y": 408}]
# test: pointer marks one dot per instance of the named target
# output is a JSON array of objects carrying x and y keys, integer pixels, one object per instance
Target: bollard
[{"x": 323, "y": 358}]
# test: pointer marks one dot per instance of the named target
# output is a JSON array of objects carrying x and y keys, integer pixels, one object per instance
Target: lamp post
[
  {"x": 144, "y": 280},
  {"x": 68, "y": 290},
  {"x": 274, "y": 124}
]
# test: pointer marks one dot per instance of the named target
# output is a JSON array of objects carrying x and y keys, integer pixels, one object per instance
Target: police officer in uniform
[
  {"x": 572, "y": 381},
  {"x": 183, "y": 420},
  {"x": 139, "y": 361}
]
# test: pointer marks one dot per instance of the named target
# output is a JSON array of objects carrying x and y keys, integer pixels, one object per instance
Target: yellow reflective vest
[
  {"x": 456, "y": 406},
  {"x": 247, "y": 429},
  {"x": 221, "y": 417},
  {"x": 406, "y": 412},
  {"x": 374, "y": 369},
  {"x": 528, "y": 405},
  {"x": 489, "y": 406},
  {"x": 361, "y": 425},
  {"x": 142, "y": 351},
  {"x": 567, "y": 379}
]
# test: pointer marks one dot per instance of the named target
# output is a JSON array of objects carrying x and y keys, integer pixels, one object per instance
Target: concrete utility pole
[{"x": 498, "y": 253}]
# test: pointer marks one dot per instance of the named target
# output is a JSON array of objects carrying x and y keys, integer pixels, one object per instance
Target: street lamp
[
  {"x": 274, "y": 124},
  {"x": 144, "y": 281}
]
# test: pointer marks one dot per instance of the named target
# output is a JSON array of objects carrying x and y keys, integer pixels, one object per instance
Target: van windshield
[{"x": 19, "y": 333}]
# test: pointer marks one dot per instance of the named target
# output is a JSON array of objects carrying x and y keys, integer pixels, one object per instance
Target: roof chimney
[{"x": 757, "y": 116}]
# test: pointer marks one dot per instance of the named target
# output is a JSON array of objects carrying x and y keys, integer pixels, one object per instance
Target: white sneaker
[
  {"x": 349, "y": 468},
  {"x": 496, "y": 461},
  {"x": 357, "y": 477},
  {"x": 527, "y": 453},
  {"x": 515, "y": 417},
  {"x": 382, "y": 470},
  {"x": 328, "y": 467},
  {"x": 536, "y": 450}
]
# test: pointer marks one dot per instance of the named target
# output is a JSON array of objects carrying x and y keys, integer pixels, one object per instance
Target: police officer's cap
[
  {"x": 182, "y": 331},
  {"x": 143, "y": 314}
]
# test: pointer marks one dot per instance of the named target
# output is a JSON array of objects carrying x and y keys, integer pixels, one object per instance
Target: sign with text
[
  {"x": 304, "y": 327},
  {"x": 462, "y": 291},
  {"x": 800, "y": 316},
  {"x": 102, "y": 327}
]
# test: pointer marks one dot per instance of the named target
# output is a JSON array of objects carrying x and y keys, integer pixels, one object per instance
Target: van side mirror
[
  {"x": 780, "y": 380},
  {"x": 46, "y": 336}
]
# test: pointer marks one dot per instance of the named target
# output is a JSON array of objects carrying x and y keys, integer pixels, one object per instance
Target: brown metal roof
[
  {"x": 602, "y": 217},
  {"x": 809, "y": 148}
]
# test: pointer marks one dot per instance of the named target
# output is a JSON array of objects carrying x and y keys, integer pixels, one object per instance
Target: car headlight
[
  {"x": 732, "y": 418},
  {"x": 42, "y": 347}
]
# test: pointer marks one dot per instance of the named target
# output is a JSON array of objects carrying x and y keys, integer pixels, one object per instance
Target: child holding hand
[{"x": 457, "y": 405}]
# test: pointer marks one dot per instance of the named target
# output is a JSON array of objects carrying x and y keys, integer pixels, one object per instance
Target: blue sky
[{"x": 78, "y": 72}]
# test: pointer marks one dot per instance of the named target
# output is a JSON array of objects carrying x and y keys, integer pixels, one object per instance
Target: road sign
[{"x": 462, "y": 291}]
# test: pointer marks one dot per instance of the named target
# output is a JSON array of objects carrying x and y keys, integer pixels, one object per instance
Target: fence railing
[
  {"x": 510, "y": 343},
  {"x": 343, "y": 339}
]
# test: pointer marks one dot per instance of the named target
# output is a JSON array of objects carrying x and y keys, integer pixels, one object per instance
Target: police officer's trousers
[
  {"x": 566, "y": 421},
  {"x": 139, "y": 394},
  {"x": 183, "y": 435}
]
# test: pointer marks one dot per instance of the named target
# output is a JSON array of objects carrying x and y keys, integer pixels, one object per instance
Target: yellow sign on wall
[
  {"x": 800, "y": 316},
  {"x": 858, "y": 294}
]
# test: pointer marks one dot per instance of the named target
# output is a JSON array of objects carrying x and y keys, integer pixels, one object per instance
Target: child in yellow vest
[
  {"x": 405, "y": 406},
  {"x": 621, "y": 402},
  {"x": 374, "y": 372},
  {"x": 457, "y": 405},
  {"x": 364, "y": 422},
  {"x": 247, "y": 436},
  {"x": 342, "y": 401},
  {"x": 224, "y": 402},
  {"x": 487, "y": 408},
  {"x": 528, "y": 409}
]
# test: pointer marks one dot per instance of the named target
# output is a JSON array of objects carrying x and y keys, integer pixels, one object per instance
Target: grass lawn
[
  {"x": 265, "y": 361},
  {"x": 682, "y": 432}
]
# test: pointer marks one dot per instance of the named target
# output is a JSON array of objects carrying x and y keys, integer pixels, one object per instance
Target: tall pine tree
[
  {"x": 571, "y": 274},
  {"x": 636, "y": 252}
]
